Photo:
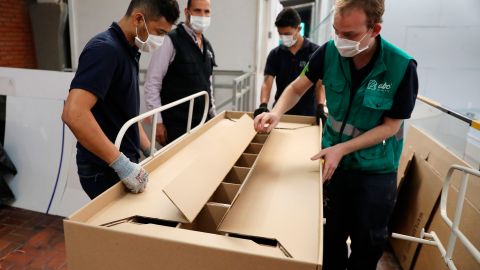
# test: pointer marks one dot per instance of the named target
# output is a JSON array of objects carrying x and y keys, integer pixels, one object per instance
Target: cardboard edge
[
  {"x": 320, "y": 222},
  {"x": 90, "y": 209}
]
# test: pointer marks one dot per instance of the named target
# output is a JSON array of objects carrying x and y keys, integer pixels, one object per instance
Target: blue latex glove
[{"x": 133, "y": 176}]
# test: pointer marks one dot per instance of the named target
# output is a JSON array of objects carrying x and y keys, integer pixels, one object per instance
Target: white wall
[
  {"x": 38, "y": 143},
  {"x": 444, "y": 38},
  {"x": 233, "y": 32}
]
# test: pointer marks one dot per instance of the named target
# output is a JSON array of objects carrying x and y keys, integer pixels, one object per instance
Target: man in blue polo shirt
[
  {"x": 286, "y": 62},
  {"x": 104, "y": 94},
  {"x": 371, "y": 87}
]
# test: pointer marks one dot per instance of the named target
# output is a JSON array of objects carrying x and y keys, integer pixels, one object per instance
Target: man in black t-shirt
[
  {"x": 104, "y": 94},
  {"x": 286, "y": 62}
]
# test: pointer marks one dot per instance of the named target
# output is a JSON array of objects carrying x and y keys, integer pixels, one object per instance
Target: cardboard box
[
  {"x": 222, "y": 197},
  {"x": 416, "y": 199},
  {"x": 418, "y": 204}
]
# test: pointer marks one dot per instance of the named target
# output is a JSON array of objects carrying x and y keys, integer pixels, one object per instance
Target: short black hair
[
  {"x": 288, "y": 17},
  {"x": 189, "y": 3},
  {"x": 155, "y": 9}
]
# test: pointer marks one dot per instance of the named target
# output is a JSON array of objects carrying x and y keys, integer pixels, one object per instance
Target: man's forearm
[
  {"x": 320, "y": 93},
  {"x": 287, "y": 100},
  {"x": 144, "y": 141},
  {"x": 90, "y": 135},
  {"x": 372, "y": 137}
]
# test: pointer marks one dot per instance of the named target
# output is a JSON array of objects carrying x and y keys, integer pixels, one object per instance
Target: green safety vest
[{"x": 350, "y": 116}]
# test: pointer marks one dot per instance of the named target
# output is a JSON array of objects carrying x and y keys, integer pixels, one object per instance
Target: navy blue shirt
[
  {"x": 286, "y": 67},
  {"x": 108, "y": 68},
  {"x": 404, "y": 99}
]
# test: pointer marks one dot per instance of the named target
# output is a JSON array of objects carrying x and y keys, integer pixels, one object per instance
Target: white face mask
[
  {"x": 288, "y": 40},
  {"x": 152, "y": 43},
  {"x": 347, "y": 47},
  {"x": 199, "y": 23}
]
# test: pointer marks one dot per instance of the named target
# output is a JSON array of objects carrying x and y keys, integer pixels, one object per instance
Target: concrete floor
[{"x": 34, "y": 241}]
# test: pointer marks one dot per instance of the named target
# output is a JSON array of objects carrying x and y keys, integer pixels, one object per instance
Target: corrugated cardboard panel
[
  {"x": 153, "y": 203},
  {"x": 282, "y": 195},
  {"x": 207, "y": 167},
  {"x": 416, "y": 200},
  {"x": 441, "y": 159},
  {"x": 414, "y": 204},
  {"x": 130, "y": 246},
  {"x": 429, "y": 257}
]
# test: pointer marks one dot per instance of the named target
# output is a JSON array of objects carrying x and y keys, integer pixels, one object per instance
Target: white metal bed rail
[
  {"x": 455, "y": 233},
  {"x": 242, "y": 91},
  {"x": 155, "y": 112}
]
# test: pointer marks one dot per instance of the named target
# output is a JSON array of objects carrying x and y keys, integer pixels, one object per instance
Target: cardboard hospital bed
[{"x": 220, "y": 197}]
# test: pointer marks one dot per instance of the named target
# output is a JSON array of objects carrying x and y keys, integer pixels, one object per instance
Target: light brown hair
[{"x": 374, "y": 9}]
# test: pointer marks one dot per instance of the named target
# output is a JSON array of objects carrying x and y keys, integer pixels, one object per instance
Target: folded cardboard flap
[
  {"x": 225, "y": 193},
  {"x": 208, "y": 219},
  {"x": 205, "y": 182}
]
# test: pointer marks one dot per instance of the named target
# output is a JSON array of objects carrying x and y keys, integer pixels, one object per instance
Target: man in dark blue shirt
[
  {"x": 286, "y": 62},
  {"x": 105, "y": 94}
]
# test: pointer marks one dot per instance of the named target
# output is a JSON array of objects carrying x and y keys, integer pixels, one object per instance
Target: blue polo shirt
[
  {"x": 108, "y": 68},
  {"x": 286, "y": 67}
]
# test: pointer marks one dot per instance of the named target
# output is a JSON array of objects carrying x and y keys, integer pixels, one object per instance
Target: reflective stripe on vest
[
  {"x": 349, "y": 130},
  {"x": 354, "y": 132}
]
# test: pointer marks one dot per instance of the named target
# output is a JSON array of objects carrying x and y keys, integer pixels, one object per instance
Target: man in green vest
[{"x": 371, "y": 87}]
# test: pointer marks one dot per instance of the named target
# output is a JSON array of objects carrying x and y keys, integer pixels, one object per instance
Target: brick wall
[{"x": 16, "y": 38}]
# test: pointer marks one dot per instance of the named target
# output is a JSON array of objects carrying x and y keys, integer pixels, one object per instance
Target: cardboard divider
[
  {"x": 254, "y": 148},
  {"x": 260, "y": 138},
  {"x": 246, "y": 160},
  {"x": 225, "y": 193},
  {"x": 208, "y": 219},
  {"x": 236, "y": 175}
]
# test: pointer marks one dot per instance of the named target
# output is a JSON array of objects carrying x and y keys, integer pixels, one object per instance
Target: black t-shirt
[
  {"x": 404, "y": 100},
  {"x": 286, "y": 67},
  {"x": 108, "y": 68}
]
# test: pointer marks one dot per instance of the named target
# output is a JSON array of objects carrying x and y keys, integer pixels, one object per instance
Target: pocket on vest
[{"x": 335, "y": 98}]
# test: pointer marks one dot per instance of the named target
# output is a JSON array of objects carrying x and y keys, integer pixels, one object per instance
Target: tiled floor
[{"x": 34, "y": 241}]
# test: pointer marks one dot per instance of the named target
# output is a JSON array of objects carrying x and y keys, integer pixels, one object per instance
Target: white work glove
[{"x": 133, "y": 176}]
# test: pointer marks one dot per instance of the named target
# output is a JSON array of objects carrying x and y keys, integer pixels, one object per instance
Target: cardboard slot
[
  {"x": 208, "y": 219},
  {"x": 246, "y": 160},
  {"x": 142, "y": 220},
  {"x": 253, "y": 148},
  {"x": 146, "y": 220},
  {"x": 236, "y": 175},
  {"x": 263, "y": 241},
  {"x": 225, "y": 193},
  {"x": 260, "y": 138}
]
